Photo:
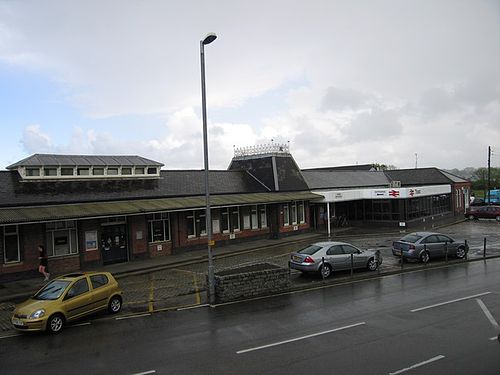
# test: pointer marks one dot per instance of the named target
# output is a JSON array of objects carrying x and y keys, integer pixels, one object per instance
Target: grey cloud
[
  {"x": 377, "y": 124},
  {"x": 472, "y": 95},
  {"x": 338, "y": 99}
]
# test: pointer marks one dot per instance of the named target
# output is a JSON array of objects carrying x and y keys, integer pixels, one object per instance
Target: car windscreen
[
  {"x": 309, "y": 250},
  {"x": 411, "y": 238},
  {"x": 52, "y": 290}
]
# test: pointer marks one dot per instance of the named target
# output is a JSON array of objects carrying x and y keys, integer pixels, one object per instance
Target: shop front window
[
  {"x": 11, "y": 244},
  {"x": 61, "y": 238}
]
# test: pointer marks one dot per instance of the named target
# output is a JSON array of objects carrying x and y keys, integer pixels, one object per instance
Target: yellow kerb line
[
  {"x": 197, "y": 294},
  {"x": 151, "y": 293}
]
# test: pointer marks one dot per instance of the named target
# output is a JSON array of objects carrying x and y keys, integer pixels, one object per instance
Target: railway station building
[{"x": 90, "y": 210}]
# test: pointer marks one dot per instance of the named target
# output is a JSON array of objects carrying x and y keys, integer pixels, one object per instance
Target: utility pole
[
  {"x": 489, "y": 176},
  {"x": 416, "y": 160}
]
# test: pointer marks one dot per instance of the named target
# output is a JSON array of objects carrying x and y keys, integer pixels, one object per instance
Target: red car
[{"x": 483, "y": 212}]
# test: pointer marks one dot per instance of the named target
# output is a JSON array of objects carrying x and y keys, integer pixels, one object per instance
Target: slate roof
[
  {"x": 357, "y": 167},
  {"x": 54, "y": 160},
  {"x": 10, "y": 215},
  {"x": 343, "y": 179},
  {"x": 289, "y": 177},
  {"x": 420, "y": 176},
  {"x": 172, "y": 183},
  {"x": 456, "y": 179}
]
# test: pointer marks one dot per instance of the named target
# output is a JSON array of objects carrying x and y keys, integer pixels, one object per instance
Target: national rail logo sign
[{"x": 394, "y": 193}]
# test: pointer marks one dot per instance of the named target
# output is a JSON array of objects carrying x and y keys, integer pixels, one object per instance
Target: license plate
[
  {"x": 297, "y": 259},
  {"x": 17, "y": 322},
  {"x": 397, "y": 252}
]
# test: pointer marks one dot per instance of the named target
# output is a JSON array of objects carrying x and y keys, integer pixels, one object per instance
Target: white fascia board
[{"x": 383, "y": 193}]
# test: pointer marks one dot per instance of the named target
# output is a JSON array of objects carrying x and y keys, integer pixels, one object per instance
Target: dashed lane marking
[
  {"x": 9, "y": 336},
  {"x": 299, "y": 338},
  {"x": 145, "y": 372},
  {"x": 448, "y": 302},
  {"x": 433, "y": 359}
]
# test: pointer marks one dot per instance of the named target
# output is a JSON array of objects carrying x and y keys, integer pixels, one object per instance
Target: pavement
[{"x": 178, "y": 281}]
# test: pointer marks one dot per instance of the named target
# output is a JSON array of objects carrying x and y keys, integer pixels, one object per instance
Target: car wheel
[
  {"x": 424, "y": 257},
  {"x": 55, "y": 323},
  {"x": 460, "y": 252},
  {"x": 372, "y": 264},
  {"x": 115, "y": 305},
  {"x": 325, "y": 271},
  {"x": 471, "y": 217}
]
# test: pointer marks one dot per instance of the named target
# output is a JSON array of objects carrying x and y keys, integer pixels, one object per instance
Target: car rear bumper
[
  {"x": 303, "y": 267},
  {"x": 406, "y": 254}
]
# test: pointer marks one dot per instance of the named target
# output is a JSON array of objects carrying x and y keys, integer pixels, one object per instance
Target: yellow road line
[
  {"x": 151, "y": 292},
  {"x": 197, "y": 294}
]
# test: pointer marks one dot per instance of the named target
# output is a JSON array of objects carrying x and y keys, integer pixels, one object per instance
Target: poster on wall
[{"x": 91, "y": 240}]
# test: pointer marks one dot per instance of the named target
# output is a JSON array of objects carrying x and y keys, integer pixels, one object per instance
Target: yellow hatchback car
[{"x": 67, "y": 298}]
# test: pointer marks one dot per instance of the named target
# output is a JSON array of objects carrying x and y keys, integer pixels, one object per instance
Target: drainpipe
[{"x": 328, "y": 216}]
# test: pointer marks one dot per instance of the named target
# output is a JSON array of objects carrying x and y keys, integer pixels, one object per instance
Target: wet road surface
[{"x": 436, "y": 321}]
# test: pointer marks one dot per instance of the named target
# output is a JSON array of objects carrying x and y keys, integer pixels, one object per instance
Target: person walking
[{"x": 43, "y": 268}]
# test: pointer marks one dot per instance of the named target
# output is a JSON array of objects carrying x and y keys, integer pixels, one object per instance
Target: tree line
[{"x": 479, "y": 177}]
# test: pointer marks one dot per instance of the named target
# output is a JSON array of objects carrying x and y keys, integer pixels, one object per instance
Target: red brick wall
[
  {"x": 64, "y": 264},
  {"x": 461, "y": 208},
  {"x": 138, "y": 228},
  {"x": 30, "y": 236},
  {"x": 160, "y": 248}
]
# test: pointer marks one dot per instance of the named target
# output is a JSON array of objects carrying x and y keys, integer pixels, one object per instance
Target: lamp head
[{"x": 209, "y": 38}]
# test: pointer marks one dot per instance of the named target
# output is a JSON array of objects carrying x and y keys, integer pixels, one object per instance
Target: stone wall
[{"x": 250, "y": 281}]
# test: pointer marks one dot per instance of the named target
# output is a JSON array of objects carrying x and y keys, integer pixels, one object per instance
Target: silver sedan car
[
  {"x": 326, "y": 257},
  {"x": 426, "y": 245}
]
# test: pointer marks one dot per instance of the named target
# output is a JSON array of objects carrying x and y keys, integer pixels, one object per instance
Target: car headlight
[{"x": 37, "y": 314}]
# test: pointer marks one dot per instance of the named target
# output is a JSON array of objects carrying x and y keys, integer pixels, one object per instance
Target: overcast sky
[{"x": 345, "y": 82}]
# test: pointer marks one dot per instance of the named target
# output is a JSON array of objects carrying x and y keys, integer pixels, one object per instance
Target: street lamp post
[{"x": 209, "y": 38}]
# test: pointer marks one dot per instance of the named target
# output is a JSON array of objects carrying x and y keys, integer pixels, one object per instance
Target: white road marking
[
  {"x": 132, "y": 316},
  {"x": 299, "y": 338},
  {"x": 13, "y": 335},
  {"x": 145, "y": 372},
  {"x": 487, "y": 313},
  {"x": 493, "y": 338},
  {"x": 436, "y": 358},
  {"x": 192, "y": 307},
  {"x": 79, "y": 324},
  {"x": 448, "y": 302}
]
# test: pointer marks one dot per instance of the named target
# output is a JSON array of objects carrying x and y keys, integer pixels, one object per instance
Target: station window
[
  {"x": 50, "y": 171},
  {"x": 158, "y": 227},
  {"x": 67, "y": 171},
  {"x": 98, "y": 171},
  {"x": 126, "y": 171},
  {"x": 83, "y": 171},
  {"x": 33, "y": 172}
]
